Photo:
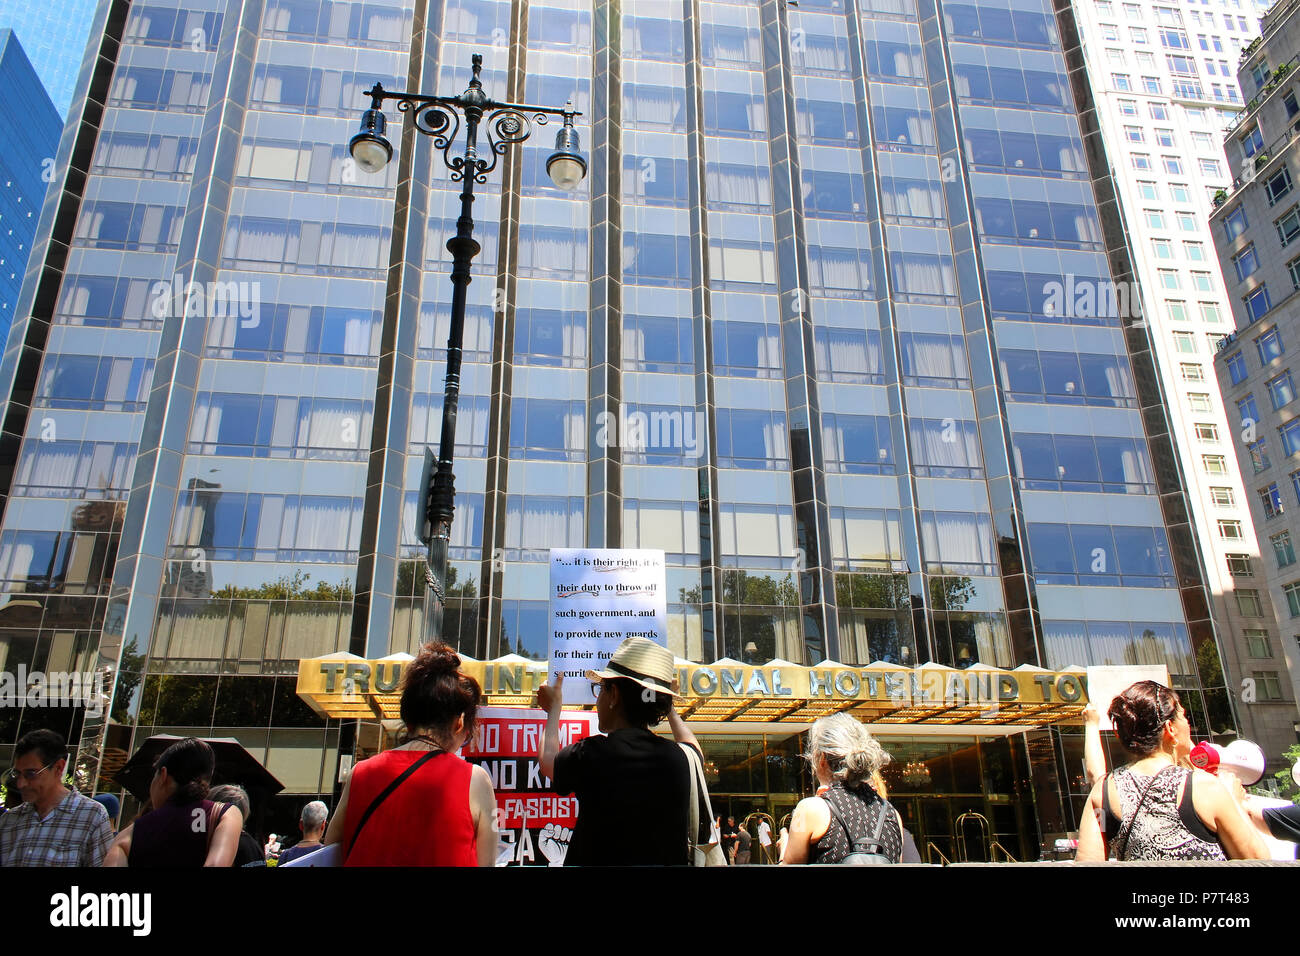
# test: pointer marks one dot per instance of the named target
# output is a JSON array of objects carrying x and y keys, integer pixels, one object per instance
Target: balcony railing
[{"x": 1275, "y": 81}]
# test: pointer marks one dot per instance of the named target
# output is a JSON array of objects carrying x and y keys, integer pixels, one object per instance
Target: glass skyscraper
[
  {"x": 29, "y": 130},
  {"x": 54, "y": 35},
  {"x": 840, "y": 320}
]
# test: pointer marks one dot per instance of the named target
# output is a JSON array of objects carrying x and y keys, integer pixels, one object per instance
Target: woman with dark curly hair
[
  {"x": 1154, "y": 808},
  {"x": 420, "y": 804},
  {"x": 184, "y": 828}
]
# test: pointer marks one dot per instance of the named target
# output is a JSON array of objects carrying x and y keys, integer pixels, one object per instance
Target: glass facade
[
  {"x": 54, "y": 35},
  {"x": 30, "y": 134},
  {"x": 831, "y": 322}
]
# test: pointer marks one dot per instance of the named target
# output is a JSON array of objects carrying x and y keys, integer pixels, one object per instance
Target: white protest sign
[
  {"x": 598, "y": 598},
  {"x": 1107, "y": 683}
]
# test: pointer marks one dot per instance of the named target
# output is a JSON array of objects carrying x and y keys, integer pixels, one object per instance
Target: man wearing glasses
[{"x": 55, "y": 826}]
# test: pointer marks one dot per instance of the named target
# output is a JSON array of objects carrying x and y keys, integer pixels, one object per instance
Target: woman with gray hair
[
  {"x": 848, "y": 822},
  {"x": 250, "y": 851}
]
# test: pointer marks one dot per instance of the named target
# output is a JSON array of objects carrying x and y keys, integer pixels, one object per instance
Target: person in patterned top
[
  {"x": 55, "y": 826},
  {"x": 1155, "y": 807},
  {"x": 823, "y": 828}
]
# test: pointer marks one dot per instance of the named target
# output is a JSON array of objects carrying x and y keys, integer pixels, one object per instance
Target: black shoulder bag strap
[
  {"x": 872, "y": 845},
  {"x": 387, "y": 791},
  {"x": 1121, "y": 838}
]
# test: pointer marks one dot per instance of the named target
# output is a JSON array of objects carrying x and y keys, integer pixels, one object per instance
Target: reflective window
[
  {"x": 1269, "y": 345},
  {"x": 1284, "y": 552},
  {"x": 858, "y": 444},
  {"x": 1257, "y": 303},
  {"x": 1281, "y": 390},
  {"x": 757, "y": 439},
  {"x": 1257, "y": 640},
  {"x": 1236, "y": 368},
  {"x": 1290, "y": 433},
  {"x": 1258, "y": 452},
  {"x": 1234, "y": 223}
]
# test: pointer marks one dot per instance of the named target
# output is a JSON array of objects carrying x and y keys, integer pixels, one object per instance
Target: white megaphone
[{"x": 1241, "y": 757}]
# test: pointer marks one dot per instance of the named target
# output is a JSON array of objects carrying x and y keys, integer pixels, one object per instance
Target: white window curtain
[
  {"x": 1086, "y": 227},
  {"x": 920, "y": 129},
  {"x": 322, "y": 524},
  {"x": 911, "y": 197},
  {"x": 310, "y": 629},
  {"x": 469, "y": 516},
  {"x": 633, "y": 341},
  {"x": 920, "y": 273},
  {"x": 958, "y": 540},
  {"x": 992, "y": 642},
  {"x": 205, "y": 425},
  {"x": 824, "y": 53},
  {"x": 50, "y": 466},
  {"x": 575, "y": 428},
  {"x": 575, "y": 337},
  {"x": 125, "y": 151},
  {"x": 657, "y": 524},
  {"x": 138, "y": 301},
  {"x": 769, "y": 349},
  {"x": 1119, "y": 379},
  {"x": 119, "y": 380},
  {"x": 472, "y": 415},
  {"x": 385, "y": 26},
  {"x": 846, "y": 352},
  {"x": 297, "y": 328},
  {"x": 738, "y": 185},
  {"x": 276, "y": 19},
  {"x": 329, "y": 423},
  {"x": 124, "y": 85},
  {"x": 1070, "y": 157},
  {"x": 75, "y": 299},
  {"x": 538, "y": 523},
  {"x": 775, "y": 447},
  {"x": 257, "y": 240},
  {"x": 734, "y": 44},
  {"x": 755, "y": 531},
  {"x": 196, "y": 635},
  {"x": 944, "y": 443},
  {"x": 110, "y": 466},
  {"x": 361, "y": 335},
  {"x": 838, "y": 268},
  {"x": 274, "y": 525},
  {"x": 352, "y": 247},
  {"x": 268, "y": 87},
  {"x": 16, "y": 559},
  {"x": 651, "y": 104},
  {"x": 929, "y": 355},
  {"x": 1067, "y": 643},
  {"x": 907, "y": 63},
  {"x": 756, "y": 111}
]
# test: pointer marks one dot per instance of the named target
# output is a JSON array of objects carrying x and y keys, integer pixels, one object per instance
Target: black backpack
[{"x": 867, "y": 850}]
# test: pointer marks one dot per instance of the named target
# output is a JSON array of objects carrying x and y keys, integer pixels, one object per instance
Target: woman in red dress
[{"x": 441, "y": 813}]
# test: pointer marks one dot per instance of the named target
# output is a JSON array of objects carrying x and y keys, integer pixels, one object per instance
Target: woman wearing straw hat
[{"x": 633, "y": 787}]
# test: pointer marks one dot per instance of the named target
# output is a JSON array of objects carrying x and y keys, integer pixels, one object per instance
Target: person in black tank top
[
  {"x": 823, "y": 828},
  {"x": 184, "y": 829},
  {"x": 1155, "y": 808}
]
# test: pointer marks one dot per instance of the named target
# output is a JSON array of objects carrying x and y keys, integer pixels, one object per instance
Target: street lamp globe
[
  {"x": 370, "y": 148},
  {"x": 566, "y": 167}
]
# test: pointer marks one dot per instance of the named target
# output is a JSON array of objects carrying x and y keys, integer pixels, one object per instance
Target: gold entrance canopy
[{"x": 347, "y": 686}]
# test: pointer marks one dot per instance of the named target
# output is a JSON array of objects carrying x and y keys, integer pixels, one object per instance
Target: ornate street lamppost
[{"x": 506, "y": 124}]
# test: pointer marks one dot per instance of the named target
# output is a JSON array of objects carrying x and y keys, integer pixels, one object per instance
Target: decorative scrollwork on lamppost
[{"x": 505, "y": 125}]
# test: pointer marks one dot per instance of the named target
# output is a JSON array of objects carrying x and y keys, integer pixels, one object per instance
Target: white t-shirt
[{"x": 764, "y": 833}]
